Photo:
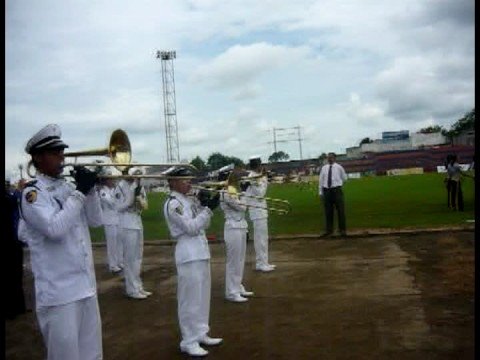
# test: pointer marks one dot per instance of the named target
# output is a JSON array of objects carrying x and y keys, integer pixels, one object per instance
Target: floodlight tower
[{"x": 169, "y": 105}]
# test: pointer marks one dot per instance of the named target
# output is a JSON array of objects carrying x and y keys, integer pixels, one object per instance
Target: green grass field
[{"x": 409, "y": 201}]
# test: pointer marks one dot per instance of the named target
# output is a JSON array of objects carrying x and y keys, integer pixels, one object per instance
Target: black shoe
[{"x": 343, "y": 234}]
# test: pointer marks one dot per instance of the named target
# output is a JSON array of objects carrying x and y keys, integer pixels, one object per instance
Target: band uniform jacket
[
  {"x": 187, "y": 221},
  {"x": 258, "y": 187},
  {"x": 129, "y": 206},
  {"x": 109, "y": 205},
  {"x": 55, "y": 220},
  {"x": 234, "y": 208}
]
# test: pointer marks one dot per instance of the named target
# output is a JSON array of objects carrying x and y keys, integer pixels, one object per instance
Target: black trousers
[
  {"x": 449, "y": 192},
  {"x": 456, "y": 195},
  {"x": 333, "y": 198}
]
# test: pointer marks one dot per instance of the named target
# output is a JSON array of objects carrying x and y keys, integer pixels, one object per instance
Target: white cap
[
  {"x": 175, "y": 172},
  {"x": 47, "y": 138},
  {"x": 136, "y": 171},
  {"x": 228, "y": 167}
]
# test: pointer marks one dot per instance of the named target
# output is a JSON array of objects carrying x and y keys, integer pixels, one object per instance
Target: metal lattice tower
[{"x": 169, "y": 105}]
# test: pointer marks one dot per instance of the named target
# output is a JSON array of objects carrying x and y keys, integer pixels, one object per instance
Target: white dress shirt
[
  {"x": 339, "y": 176},
  {"x": 56, "y": 219},
  {"x": 187, "y": 221}
]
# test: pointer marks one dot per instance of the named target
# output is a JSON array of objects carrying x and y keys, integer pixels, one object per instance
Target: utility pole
[
  {"x": 299, "y": 141},
  {"x": 283, "y": 131},
  {"x": 274, "y": 140},
  {"x": 169, "y": 105}
]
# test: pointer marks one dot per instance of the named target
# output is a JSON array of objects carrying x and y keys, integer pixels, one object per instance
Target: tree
[
  {"x": 365, "y": 141},
  {"x": 217, "y": 160},
  {"x": 199, "y": 163},
  {"x": 431, "y": 129},
  {"x": 467, "y": 122},
  {"x": 278, "y": 156}
]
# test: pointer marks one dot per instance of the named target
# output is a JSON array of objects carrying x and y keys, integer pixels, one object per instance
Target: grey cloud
[
  {"x": 418, "y": 88},
  {"x": 459, "y": 12}
]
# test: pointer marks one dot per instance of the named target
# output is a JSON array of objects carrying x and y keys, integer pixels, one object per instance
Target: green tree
[
  {"x": 365, "y": 141},
  {"x": 431, "y": 129},
  {"x": 199, "y": 163},
  {"x": 217, "y": 160},
  {"x": 467, "y": 122},
  {"x": 278, "y": 156}
]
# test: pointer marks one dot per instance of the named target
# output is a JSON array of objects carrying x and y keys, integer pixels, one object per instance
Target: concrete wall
[
  {"x": 419, "y": 139},
  {"x": 382, "y": 146},
  {"x": 415, "y": 141}
]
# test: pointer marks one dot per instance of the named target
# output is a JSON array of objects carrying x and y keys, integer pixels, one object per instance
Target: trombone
[
  {"x": 120, "y": 153},
  {"x": 280, "y": 206}
]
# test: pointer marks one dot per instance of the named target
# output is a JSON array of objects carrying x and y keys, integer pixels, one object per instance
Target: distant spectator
[
  {"x": 455, "y": 190},
  {"x": 471, "y": 168},
  {"x": 447, "y": 181}
]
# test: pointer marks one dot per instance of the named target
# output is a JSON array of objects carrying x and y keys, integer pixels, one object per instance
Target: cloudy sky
[{"x": 341, "y": 70}]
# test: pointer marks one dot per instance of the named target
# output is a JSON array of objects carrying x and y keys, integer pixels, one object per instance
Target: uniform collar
[
  {"x": 48, "y": 179},
  {"x": 178, "y": 195}
]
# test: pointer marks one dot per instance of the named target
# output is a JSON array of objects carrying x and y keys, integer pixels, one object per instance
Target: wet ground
[{"x": 383, "y": 297}]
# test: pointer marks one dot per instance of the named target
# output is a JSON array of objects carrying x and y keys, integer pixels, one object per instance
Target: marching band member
[
  {"x": 235, "y": 236},
  {"x": 132, "y": 200},
  {"x": 187, "y": 220},
  {"x": 55, "y": 220},
  {"x": 110, "y": 223},
  {"x": 258, "y": 214}
]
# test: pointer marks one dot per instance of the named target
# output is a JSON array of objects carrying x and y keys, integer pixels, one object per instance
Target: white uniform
[
  {"x": 110, "y": 225},
  {"x": 130, "y": 234},
  {"x": 187, "y": 221},
  {"x": 55, "y": 225},
  {"x": 235, "y": 235},
  {"x": 259, "y": 217}
]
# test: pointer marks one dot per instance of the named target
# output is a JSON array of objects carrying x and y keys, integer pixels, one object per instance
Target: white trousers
[
  {"x": 193, "y": 296},
  {"x": 260, "y": 241},
  {"x": 72, "y": 331},
  {"x": 114, "y": 246},
  {"x": 235, "y": 246},
  {"x": 132, "y": 240}
]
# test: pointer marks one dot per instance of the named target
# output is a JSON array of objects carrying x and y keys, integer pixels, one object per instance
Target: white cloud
[{"x": 243, "y": 64}]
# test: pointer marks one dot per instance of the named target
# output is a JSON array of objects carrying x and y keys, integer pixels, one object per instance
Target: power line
[{"x": 281, "y": 132}]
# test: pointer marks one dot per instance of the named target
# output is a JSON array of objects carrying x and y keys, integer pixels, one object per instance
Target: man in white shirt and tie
[{"x": 332, "y": 177}]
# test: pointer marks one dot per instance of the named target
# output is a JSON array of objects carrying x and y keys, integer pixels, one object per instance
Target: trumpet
[
  {"x": 280, "y": 206},
  {"x": 120, "y": 153}
]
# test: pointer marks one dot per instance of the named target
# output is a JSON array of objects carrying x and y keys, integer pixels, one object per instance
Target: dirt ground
[{"x": 383, "y": 297}]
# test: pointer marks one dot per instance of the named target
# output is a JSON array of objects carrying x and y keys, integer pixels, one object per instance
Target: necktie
[{"x": 329, "y": 181}]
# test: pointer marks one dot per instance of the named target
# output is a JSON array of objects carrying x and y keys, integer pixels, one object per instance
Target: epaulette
[
  {"x": 170, "y": 198},
  {"x": 31, "y": 184}
]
